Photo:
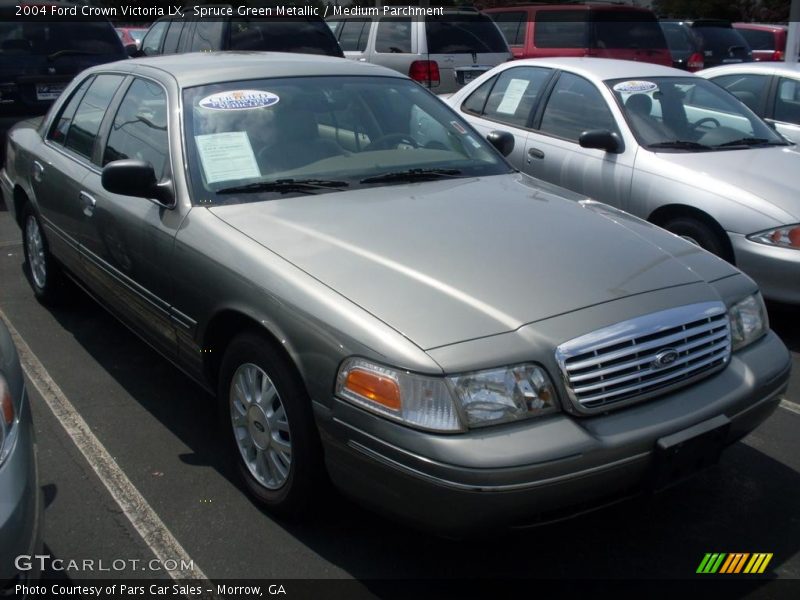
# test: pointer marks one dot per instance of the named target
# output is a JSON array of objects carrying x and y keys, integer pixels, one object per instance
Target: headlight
[
  {"x": 7, "y": 421},
  {"x": 748, "y": 321},
  {"x": 504, "y": 394},
  {"x": 448, "y": 404},
  {"x": 783, "y": 237}
]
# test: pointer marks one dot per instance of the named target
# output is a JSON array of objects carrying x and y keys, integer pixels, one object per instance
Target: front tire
[
  {"x": 44, "y": 272},
  {"x": 269, "y": 426},
  {"x": 700, "y": 234}
]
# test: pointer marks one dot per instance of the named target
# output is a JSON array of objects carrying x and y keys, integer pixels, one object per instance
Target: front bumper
[
  {"x": 775, "y": 270},
  {"x": 542, "y": 470},
  {"x": 21, "y": 504}
]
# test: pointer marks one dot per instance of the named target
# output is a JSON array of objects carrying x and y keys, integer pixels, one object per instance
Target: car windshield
[
  {"x": 689, "y": 114},
  {"x": 261, "y": 139}
]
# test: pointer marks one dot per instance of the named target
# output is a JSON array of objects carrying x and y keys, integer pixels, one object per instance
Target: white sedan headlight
[
  {"x": 448, "y": 404},
  {"x": 748, "y": 320}
]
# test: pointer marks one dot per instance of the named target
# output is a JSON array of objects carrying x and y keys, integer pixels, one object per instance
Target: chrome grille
[{"x": 643, "y": 357}]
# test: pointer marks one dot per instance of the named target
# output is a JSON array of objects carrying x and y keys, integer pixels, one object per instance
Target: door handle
[
  {"x": 535, "y": 153},
  {"x": 38, "y": 171},
  {"x": 88, "y": 203}
]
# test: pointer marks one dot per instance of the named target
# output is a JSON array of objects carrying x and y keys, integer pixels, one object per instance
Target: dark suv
[
  {"x": 722, "y": 44},
  {"x": 40, "y": 56},
  {"x": 175, "y": 35}
]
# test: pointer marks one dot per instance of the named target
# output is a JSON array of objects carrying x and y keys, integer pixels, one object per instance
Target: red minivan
[{"x": 604, "y": 30}]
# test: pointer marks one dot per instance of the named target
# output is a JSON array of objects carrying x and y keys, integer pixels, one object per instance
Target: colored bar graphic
[{"x": 733, "y": 563}]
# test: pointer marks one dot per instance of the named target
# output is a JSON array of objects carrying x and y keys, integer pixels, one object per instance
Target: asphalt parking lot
[{"x": 160, "y": 430}]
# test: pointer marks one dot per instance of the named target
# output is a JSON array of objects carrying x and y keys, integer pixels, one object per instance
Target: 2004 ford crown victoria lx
[{"x": 371, "y": 289}]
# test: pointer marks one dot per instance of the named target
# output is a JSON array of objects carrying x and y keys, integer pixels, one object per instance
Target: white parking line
[
  {"x": 141, "y": 515},
  {"x": 791, "y": 406}
]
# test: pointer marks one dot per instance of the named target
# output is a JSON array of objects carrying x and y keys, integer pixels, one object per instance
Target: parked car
[
  {"x": 684, "y": 46},
  {"x": 722, "y": 44},
  {"x": 176, "y": 34},
  {"x": 768, "y": 42},
  {"x": 771, "y": 90},
  {"x": 370, "y": 288},
  {"x": 606, "y": 30},
  {"x": 21, "y": 502},
  {"x": 39, "y": 57},
  {"x": 131, "y": 36},
  {"x": 660, "y": 143},
  {"x": 440, "y": 52}
]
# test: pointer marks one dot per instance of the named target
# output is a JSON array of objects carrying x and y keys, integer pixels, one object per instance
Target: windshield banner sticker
[
  {"x": 227, "y": 156},
  {"x": 239, "y": 100},
  {"x": 633, "y": 87}
]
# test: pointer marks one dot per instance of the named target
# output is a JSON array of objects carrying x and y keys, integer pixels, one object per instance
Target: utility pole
[{"x": 793, "y": 37}]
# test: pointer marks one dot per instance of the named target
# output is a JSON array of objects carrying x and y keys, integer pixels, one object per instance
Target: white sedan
[
  {"x": 663, "y": 144},
  {"x": 770, "y": 89}
]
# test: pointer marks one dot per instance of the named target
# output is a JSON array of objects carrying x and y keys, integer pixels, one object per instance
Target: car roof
[
  {"x": 201, "y": 68},
  {"x": 756, "y": 67},
  {"x": 761, "y": 26},
  {"x": 603, "y": 68}
]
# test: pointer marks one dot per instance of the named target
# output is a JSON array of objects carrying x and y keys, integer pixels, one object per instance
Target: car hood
[
  {"x": 447, "y": 261},
  {"x": 744, "y": 176}
]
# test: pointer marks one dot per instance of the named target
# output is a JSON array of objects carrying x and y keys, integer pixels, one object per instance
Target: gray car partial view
[
  {"x": 377, "y": 294},
  {"x": 21, "y": 503},
  {"x": 659, "y": 143}
]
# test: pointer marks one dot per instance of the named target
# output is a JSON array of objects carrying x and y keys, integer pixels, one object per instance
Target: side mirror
[
  {"x": 132, "y": 50},
  {"x": 502, "y": 140},
  {"x": 129, "y": 177},
  {"x": 602, "y": 139}
]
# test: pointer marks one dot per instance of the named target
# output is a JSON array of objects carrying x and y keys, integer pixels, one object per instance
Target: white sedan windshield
[{"x": 689, "y": 114}]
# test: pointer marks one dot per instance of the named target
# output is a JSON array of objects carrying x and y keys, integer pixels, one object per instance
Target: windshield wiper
[
  {"x": 680, "y": 145},
  {"x": 72, "y": 52},
  {"x": 285, "y": 186},
  {"x": 413, "y": 175},
  {"x": 751, "y": 141}
]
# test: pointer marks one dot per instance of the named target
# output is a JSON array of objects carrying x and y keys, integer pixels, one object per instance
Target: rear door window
[
  {"x": 353, "y": 34},
  {"x": 58, "y": 133},
  {"x": 463, "y": 33},
  {"x": 83, "y": 130},
  {"x": 515, "y": 95},
  {"x": 172, "y": 37},
  {"x": 394, "y": 36},
  {"x": 207, "y": 36},
  {"x": 512, "y": 25},
  {"x": 626, "y": 29},
  {"x": 306, "y": 36},
  {"x": 561, "y": 29},
  {"x": 151, "y": 44}
]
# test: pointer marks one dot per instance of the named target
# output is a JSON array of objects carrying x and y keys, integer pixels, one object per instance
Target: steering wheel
[
  {"x": 391, "y": 140},
  {"x": 705, "y": 120}
]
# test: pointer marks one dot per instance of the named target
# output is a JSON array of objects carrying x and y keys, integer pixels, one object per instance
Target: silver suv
[{"x": 442, "y": 52}]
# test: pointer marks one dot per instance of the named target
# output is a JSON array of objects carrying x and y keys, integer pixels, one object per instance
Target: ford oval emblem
[{"x": 665, "y": 358}]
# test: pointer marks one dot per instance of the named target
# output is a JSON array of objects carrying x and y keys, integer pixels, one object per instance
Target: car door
[
  {"x": 507, "y": 103},
  {"x": 64, "y": 162},
  {"x": 575, "y": 105},
  {"x": 129, "y": 246}
]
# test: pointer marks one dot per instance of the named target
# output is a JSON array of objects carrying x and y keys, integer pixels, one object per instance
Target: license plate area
[
  {"x": 464, "y": 76},
  {"x": 49, "y": 91},
  {"x": 685, "y": 453}
]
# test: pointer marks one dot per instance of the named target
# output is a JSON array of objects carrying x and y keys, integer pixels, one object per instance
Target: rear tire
[
  {"x": 44, "y": 272},
  {"x": 700, "y": 234},
  {"x": 268, "y": 425}
]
